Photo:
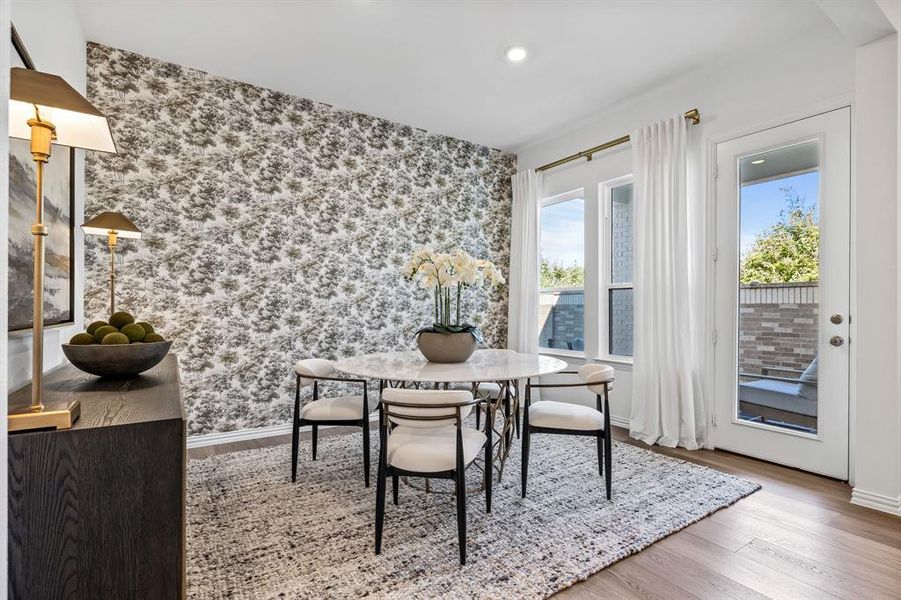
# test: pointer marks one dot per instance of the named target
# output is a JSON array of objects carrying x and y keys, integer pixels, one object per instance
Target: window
[
  {"x": 561, "y": 279},
  {"x": 617, "y": 267}
]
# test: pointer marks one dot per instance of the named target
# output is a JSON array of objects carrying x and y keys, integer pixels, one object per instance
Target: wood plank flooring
[{"x": 798, "y": 537}]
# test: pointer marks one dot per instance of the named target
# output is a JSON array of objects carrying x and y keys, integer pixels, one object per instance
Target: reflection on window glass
[
  {"x": 561, "y": 319},
  {"x": 778, "y": 287},
  {"x": 620, "y": 315},
  {"x": 619, "y": 299},
  {"x": 621, "y": 234}
]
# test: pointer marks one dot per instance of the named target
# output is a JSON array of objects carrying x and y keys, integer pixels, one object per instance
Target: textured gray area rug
[{"x": 254, "y": 534}]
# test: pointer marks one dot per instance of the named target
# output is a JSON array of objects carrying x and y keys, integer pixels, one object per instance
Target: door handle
[
  {"x": 836, "y": 319},
  {"x": 836, "y": 340}
]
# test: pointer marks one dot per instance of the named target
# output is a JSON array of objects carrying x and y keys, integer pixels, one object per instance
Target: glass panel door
[{"x": 783, "y": 294}]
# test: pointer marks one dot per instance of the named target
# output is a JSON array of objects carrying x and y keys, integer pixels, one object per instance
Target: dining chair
[
  {"x": 421, "y": 434},
  {"x": 549, "y": 416},
  {"x": 492, "y": 390},
  {"x": 352, "y": 410}
]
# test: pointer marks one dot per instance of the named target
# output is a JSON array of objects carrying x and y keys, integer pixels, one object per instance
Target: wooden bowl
[{"x": 116, "y": 360}]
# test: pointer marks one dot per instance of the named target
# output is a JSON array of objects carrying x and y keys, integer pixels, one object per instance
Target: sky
[
  {"x": 563, "y": 233},
  {"x": 563, "y": 229},
  {"x": 762, "y": 202}
]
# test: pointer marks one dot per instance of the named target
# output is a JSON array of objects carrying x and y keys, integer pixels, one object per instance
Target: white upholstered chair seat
[
  {"x": 332, "y": 409},
  {"x": 431, "y": 450},
  {"x": 563, "y": 415},
  {"x": 491, "y": 388}
]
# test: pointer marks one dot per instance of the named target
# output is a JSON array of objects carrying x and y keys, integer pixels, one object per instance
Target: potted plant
[{"x": 449, "y": 340}]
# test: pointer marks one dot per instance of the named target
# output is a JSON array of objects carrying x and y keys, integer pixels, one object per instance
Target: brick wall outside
[
  {"x": 777, "y": 323},
  {"x": 777, "y": 326},
  {"x": 561, "y": 318}
]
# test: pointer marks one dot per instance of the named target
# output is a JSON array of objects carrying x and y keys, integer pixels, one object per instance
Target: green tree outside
[
  {"x": 788, "y": 250},
  {"x": 553, "y": 275}
]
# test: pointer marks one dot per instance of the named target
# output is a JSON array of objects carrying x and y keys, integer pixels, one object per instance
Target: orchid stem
[{"x": 447, "y": 307}]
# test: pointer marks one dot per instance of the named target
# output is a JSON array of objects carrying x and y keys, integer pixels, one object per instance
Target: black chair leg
[
  {"x": 525, "y": 458},
  {"x": 461, "y": 514},
  {"x": 489, "y": 466},
  {"x": 608, "y": 462},
  {"x": 366, "y": 450},
  {"x": 518, "y": 423},
  {"x": 380, "y": 484},
  {"x": 600, "y": 453},
  {"x": 394, "y": 486},
  {"x": 315, "y": 439},
  {"x": 294, "y": 443},
  {"x": 516, "y": 396},
  {"x": 295, "y": 433},
  {"x": 478, "y": 417}
]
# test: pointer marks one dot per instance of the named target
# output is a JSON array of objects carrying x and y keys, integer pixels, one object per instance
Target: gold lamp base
[{"x": 54, "y": 415}]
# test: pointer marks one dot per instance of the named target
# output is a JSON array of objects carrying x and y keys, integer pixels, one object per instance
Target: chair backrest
[
  {"x": 431, "y": 406},
  {"x": 313, "y": 367},
  {"x": 596, "y": 375}
]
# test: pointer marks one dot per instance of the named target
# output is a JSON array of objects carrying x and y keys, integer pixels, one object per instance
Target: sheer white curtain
[
  {"x": 667, "y": 392},
  {"x": 522, "y": 316}
]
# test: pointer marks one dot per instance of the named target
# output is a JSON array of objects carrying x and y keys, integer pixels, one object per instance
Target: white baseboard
[
  {"x": 876, "y": 501},
  {"x": 213, "y": 439},
  {"x": 619, "y": 421}
]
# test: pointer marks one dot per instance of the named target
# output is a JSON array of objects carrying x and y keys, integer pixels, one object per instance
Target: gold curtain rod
[{"x": 692, "y": 115}]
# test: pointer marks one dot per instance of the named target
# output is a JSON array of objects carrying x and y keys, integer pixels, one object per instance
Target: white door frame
[{"x": 710, "y": 191}]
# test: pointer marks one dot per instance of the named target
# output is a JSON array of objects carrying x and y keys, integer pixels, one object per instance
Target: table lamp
[
  {"x": 46, "y": 110},
  {"x": 113, "y": 225}
]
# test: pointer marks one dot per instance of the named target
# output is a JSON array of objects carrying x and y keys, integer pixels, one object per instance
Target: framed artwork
[{"x": 59, "y": 208}]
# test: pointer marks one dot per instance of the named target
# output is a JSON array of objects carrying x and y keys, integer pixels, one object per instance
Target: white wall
[
  {"x": 877, "y": 458},
  {"x": 776, "y": 83},
  {"x": 59, "y": 50}
]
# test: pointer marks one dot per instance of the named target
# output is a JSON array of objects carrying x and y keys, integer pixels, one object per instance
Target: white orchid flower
[{"x": 428, "y": 282}]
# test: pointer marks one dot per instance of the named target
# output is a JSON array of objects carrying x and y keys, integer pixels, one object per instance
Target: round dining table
[{"x": 501, "y": 367}]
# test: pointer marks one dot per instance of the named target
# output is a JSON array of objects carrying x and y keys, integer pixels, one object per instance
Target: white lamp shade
[{"x": 78, "y": 123}]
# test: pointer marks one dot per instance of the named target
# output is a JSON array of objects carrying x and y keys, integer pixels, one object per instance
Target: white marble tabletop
[{"x": 483, "y": 365}]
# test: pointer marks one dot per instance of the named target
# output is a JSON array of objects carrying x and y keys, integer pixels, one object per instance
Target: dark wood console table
[{"x": 98, "y": 511}]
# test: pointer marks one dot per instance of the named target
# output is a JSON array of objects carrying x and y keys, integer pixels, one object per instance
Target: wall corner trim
[{"x": 876, "y": 501}]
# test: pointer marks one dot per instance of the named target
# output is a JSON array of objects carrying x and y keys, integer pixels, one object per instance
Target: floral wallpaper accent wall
[{"x": 275, "y": 228}]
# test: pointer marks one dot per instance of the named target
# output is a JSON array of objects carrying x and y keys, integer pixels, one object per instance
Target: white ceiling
[{"x": 439, "y": 65}]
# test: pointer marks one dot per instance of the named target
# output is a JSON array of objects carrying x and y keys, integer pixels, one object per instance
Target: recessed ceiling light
[
  {"x": 759, "y": 161},
  {"x": 516, "y": 54}
]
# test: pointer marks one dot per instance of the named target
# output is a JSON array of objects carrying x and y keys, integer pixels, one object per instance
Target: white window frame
[
  {"x": 605, "y": 193},
  {"x": 576, "y": 194}
]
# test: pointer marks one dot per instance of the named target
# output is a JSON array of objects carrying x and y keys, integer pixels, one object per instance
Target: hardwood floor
[{"x": 798, "y": 537}]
